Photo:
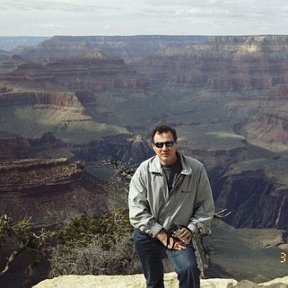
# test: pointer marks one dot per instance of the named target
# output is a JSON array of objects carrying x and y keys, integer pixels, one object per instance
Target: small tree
[{"x": 21, "y": 237}]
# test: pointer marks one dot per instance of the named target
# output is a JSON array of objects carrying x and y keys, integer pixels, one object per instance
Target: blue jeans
[{"x": 151, "y": 252}]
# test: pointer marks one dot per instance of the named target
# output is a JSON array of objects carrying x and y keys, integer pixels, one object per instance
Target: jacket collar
[{"x": 156, "y": 165}]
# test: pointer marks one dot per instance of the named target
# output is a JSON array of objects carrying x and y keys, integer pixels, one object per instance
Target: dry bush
[
  {"x": 101, "y": 245},
  {"x": 93, "y": 260}
]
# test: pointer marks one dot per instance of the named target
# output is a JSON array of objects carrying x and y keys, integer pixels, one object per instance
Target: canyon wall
[
  {"x": 73, "y": 107},
  {"x": 221, "y": 93}
]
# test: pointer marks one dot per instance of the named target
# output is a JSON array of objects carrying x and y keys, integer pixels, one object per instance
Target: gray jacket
[{"x": 190, "y": 202}]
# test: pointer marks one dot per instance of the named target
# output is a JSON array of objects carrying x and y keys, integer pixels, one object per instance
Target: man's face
[{"x": 167, "y": 155}]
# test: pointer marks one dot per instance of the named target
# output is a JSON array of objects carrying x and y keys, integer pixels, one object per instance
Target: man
[{"x": 169, "y": 188}]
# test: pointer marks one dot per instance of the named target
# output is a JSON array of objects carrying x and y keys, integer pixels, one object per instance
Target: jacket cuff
[
  {"x": 193, "y": 228},
  {"x": 153, "y": 230}
]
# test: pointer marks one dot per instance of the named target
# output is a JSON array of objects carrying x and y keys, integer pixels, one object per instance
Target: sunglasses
[{"x": 167, "y": 144}]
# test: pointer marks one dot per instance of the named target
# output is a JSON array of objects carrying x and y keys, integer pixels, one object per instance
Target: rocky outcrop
[
  {"x": 137, "y": 281},
  {"x": 48, "y": 190},
  {"x": 122, "y": 149},
  {"x": 29, "y": 173},
  {"x": 39, "y": 98}
]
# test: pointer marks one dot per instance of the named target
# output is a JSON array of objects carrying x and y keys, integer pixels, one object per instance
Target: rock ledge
[{"x": 137, "y": 281}]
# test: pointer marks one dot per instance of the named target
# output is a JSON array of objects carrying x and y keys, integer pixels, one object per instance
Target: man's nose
[{"x": 165, "y": 146}]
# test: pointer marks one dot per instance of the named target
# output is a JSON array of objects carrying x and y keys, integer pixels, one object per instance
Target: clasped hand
[{"x": 184, "y": 237}]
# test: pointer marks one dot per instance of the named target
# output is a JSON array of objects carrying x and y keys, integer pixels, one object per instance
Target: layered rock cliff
[
  {"x": 39, "y": 187},
  {"x": 25, "y": 98},
  {"x": 255, "y": 192},
  {"x": 30, "y": 114},
  {"x": 86, "y": 73}
]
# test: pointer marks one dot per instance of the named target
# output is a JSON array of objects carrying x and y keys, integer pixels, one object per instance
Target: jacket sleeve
[
  {"x": 139, "y": 212},
  {"x": 204, "y": 208}
]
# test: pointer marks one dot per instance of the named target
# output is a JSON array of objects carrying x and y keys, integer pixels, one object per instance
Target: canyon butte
[{"x": 71, "y": 106}]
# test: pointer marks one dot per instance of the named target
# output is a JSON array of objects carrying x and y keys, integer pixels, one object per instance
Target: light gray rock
[
  {"x": 121, "y": 281},
  {"x": 138, "y": 281}
]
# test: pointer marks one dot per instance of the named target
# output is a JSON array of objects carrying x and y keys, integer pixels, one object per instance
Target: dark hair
[{"x": 162, "y": 128}]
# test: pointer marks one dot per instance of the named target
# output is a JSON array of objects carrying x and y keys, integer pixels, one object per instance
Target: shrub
[
  {"x": 93, "y": 259},
  {"x": 96, "y": 246}
]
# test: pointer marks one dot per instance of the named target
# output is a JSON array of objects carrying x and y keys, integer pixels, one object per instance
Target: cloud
[
  {"x": 151, "y": 7},
  {"x": 190, "y": 11},
  {"x": 126, "y": 17},
  {"x": 63, "y": 5}
]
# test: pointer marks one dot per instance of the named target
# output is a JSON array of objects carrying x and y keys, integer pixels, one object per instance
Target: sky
[{"x": 143, "y": 17}]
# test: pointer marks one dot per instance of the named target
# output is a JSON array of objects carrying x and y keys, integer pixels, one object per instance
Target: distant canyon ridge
[{"x": 69, "y": 102}]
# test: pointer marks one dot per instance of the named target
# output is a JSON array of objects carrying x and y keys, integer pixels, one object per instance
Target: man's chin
[
  {"x": 166, "y": 160},
  {"x": 165, "y": 157}
]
